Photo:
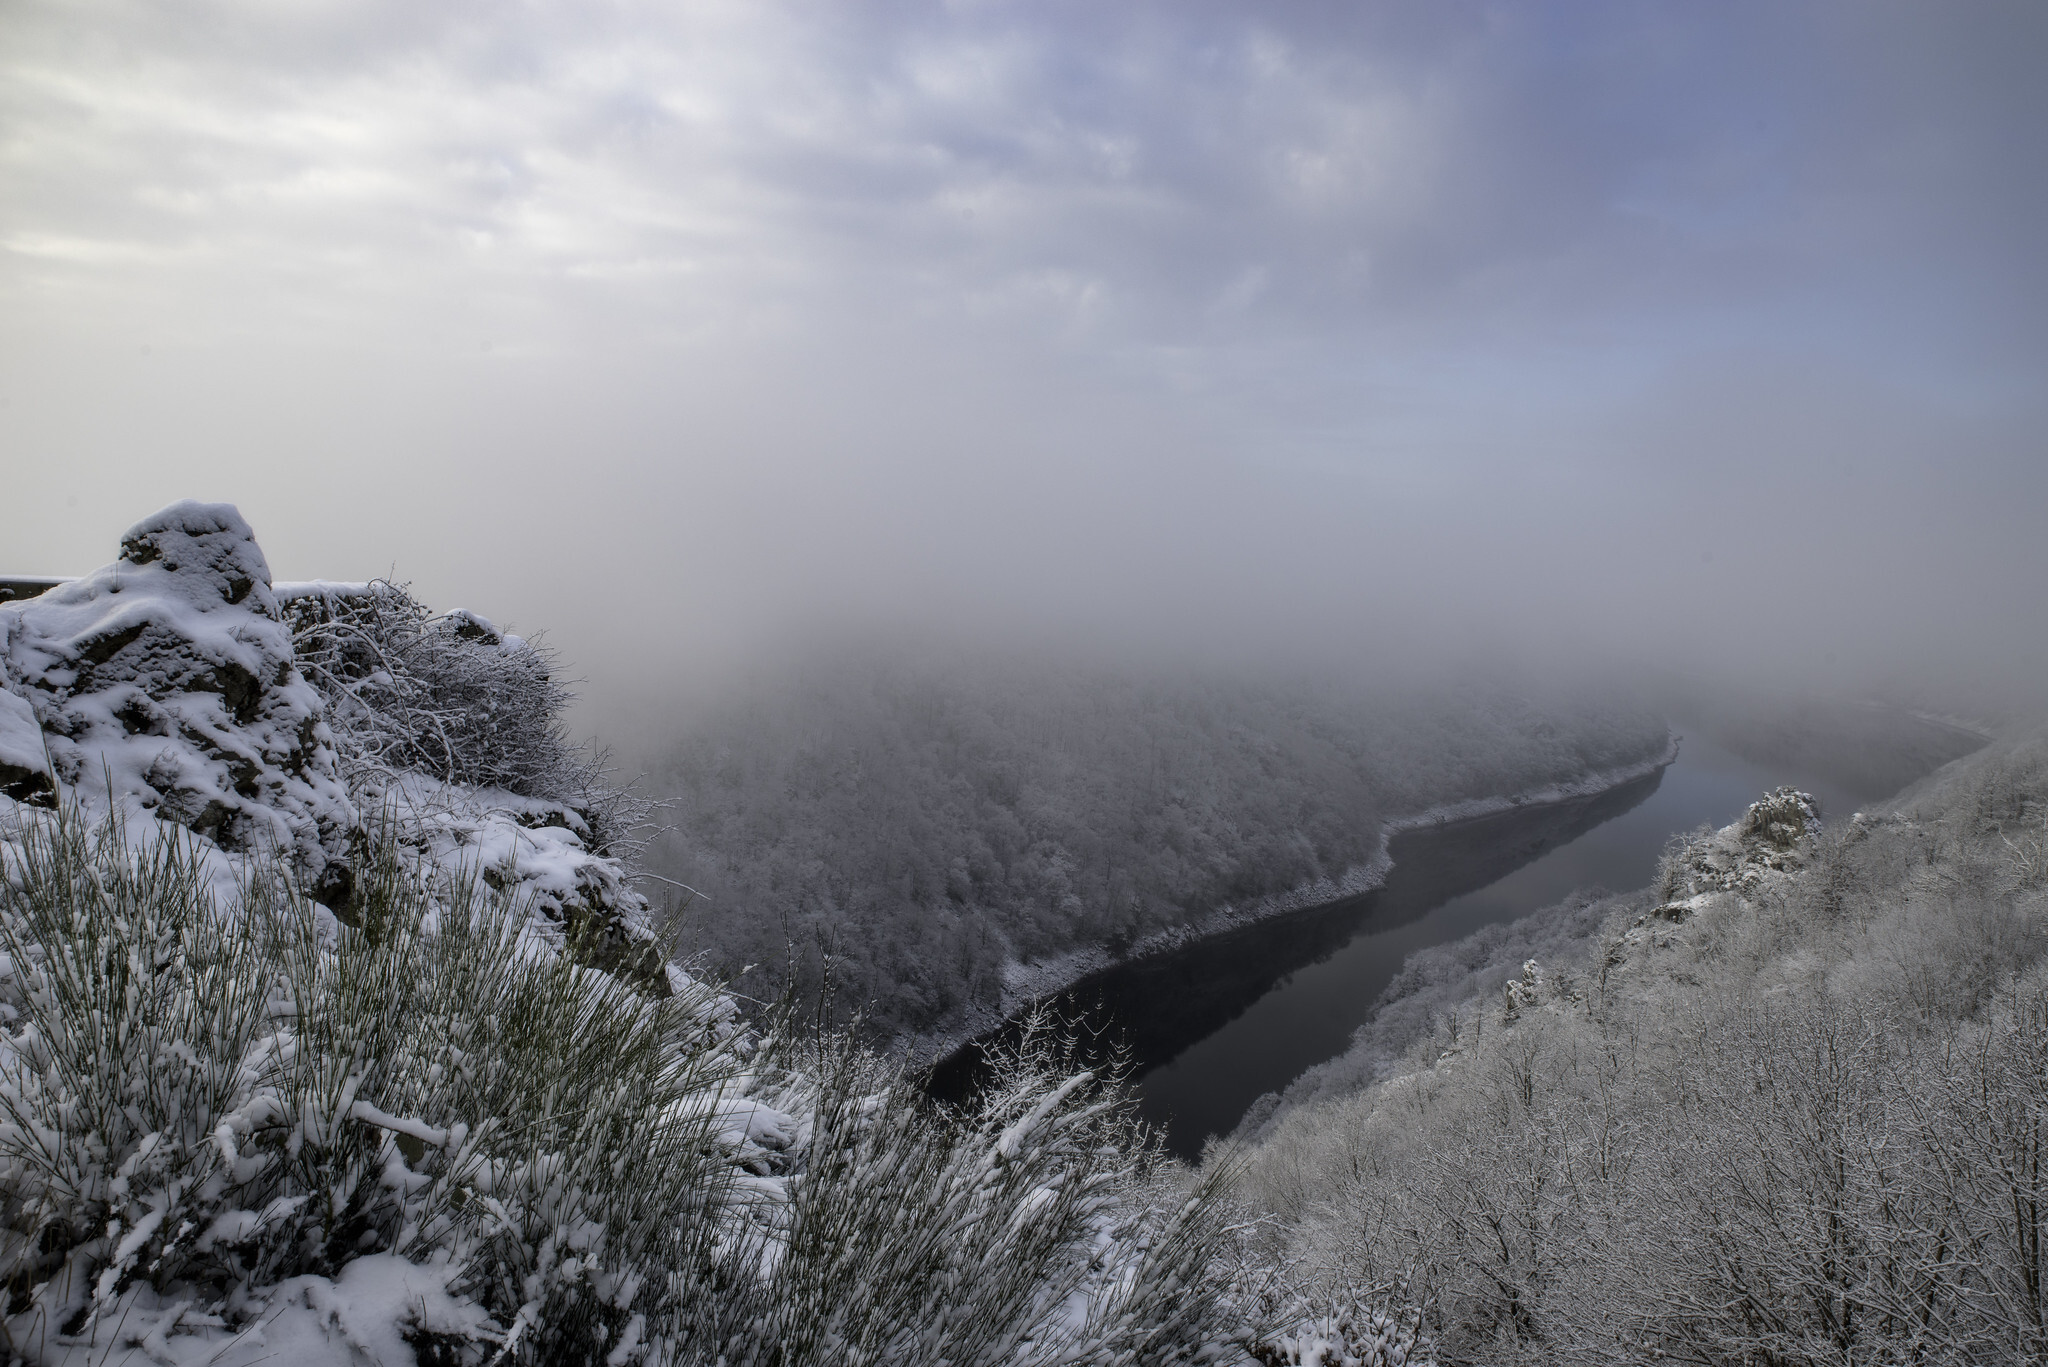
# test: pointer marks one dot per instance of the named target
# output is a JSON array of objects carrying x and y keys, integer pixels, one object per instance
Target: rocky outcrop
[
  {"x": 167, "y": 679},
  {"x": 182, "y": 682},
  {"x": 1771, "y": 837},
  {"x": 1772, "y": 840}
]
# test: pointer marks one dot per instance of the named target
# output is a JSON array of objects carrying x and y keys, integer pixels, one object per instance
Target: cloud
[{"x": 1285, "y": 328}]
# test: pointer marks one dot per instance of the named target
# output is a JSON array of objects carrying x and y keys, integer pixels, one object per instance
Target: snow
[
  {"x": 532, "y": 851},
  {"x": 164, "y": 686},
  {"x": 360, "y": 1317},
  {"x": 167, "y": 678},
  {"x": 24, "y": 764}
]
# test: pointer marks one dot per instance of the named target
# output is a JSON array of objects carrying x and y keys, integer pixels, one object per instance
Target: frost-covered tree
[
  {"x": 1787, "y": 1108},
  {"x": 449, "y": 695}
]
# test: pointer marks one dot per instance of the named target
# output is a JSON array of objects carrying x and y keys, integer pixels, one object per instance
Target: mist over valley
[{"x": 1024, "y": 685}]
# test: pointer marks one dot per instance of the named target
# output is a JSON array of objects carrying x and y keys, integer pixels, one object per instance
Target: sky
[{"x": 1709, "y": 336}]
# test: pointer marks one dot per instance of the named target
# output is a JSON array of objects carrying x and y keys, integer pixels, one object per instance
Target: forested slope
[
  {"x": 930, "y": 820},
  {"x": 1788, "y": 1105}
]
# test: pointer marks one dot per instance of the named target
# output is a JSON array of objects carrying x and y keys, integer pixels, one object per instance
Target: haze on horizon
[{"x": 1708, "y": 336}]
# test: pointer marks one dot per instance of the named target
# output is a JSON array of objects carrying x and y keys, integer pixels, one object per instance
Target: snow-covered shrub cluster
[
  {"x": 1037, "y": 1228},
  {"x": 409, "y": 692},
  {"x": 1359, "y": 1332},
  {"x": 450, "y": 696},
  {"x": 930, "y": 821},
  {"x": 1794, "y": 1110},
  {"x": 202, "y": 1103},
  {"x": 236, "y": 1130},
  {"x": 453, "y": 732}
]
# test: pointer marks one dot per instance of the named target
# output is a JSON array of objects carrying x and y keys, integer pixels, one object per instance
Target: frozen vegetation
[
  {"x": 1789, "y": 1105},
  {"x": 940, "y": 825}
]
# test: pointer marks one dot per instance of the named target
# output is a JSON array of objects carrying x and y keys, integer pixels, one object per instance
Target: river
[{"x": 1213, "y": 1026}]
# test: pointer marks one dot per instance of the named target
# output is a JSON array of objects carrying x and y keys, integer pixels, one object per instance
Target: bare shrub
[{"x": 450, "y": 696}]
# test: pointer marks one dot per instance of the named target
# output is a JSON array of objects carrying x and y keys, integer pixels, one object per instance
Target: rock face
[{"x": 167, "y": 678}]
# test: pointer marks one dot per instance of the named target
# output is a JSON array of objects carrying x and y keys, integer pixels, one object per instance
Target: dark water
[{"x": 1212, "y": 1027}]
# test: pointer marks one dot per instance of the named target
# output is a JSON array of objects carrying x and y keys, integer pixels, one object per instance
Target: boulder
[{"x": 167, "y": 678}]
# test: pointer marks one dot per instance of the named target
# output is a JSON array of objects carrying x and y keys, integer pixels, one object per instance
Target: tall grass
[
  {"x": 1031, "y": 1230},
  {"x": 211, "y": 1098},
  {"x": 204, "y": 1097}
]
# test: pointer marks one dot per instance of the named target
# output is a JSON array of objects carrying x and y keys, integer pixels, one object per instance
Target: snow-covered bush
[
  {"x": 1355, "y": 1331},
  {"x": 1024, "y": 1232},
  {"x": 201, "y": 1105},
  {"x": 233, "y": 1127},
  {"x": 451, "y": 697}
]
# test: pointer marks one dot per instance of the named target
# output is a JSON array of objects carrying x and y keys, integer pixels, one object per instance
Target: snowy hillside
[
  {"x": 1785, "y": 1105},
  {"x": 180, "y": 686},
  {"x": 332, "y": 1031}
]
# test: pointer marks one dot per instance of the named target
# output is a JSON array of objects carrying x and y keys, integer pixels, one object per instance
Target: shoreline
[{"x": 1026, "y": 984}]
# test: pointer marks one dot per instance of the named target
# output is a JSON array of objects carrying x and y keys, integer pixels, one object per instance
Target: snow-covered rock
[
  {"x": 167, "y": 679},
  {"x": 1766, "y": 845},
  {"x": 24, "y": 765},
  {"x": 537, "y": 851},
  {"x": 1772, "y": 836},
  {"x": 167, "y": 685}
]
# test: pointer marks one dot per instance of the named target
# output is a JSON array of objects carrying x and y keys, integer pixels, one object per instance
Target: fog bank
[{"x": 1634, "y": 335}]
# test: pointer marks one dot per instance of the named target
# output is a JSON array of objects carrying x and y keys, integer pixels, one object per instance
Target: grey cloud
[{"x": 1313, "y": 331}]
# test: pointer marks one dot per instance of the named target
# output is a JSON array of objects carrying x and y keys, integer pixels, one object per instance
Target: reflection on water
[{"x": 1213, "y": 1026}]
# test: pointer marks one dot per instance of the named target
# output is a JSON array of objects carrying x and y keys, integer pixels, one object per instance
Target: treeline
[
  {"x": 1790, "y": 1108},
  {"x": 923, "y": 822}
]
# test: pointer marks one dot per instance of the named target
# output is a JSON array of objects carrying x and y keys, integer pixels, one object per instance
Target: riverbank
[{"x": 1026, "y": 984}]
